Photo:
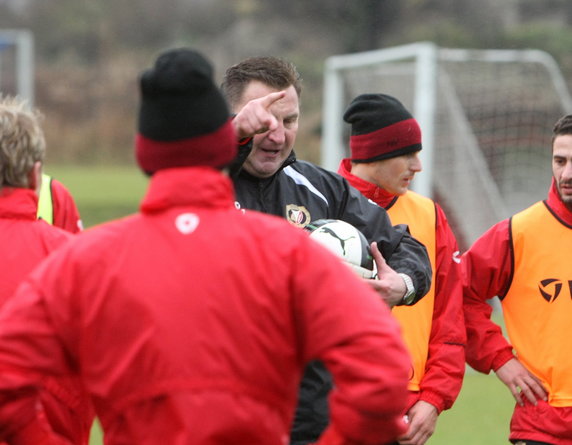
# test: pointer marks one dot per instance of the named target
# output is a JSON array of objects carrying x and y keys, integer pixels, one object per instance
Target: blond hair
[{"x": 22, "y": 141}]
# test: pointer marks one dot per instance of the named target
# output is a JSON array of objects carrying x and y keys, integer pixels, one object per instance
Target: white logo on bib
[{"x": 187, "y": 223}]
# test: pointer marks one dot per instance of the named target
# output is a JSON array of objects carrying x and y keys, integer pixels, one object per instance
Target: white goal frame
[
  {"x": 23, "y": 43},
  {"x": 424, "y": 59}
]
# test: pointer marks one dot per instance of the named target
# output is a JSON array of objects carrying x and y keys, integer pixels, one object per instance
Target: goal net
[
  {"x": 17, "y": 64},
  {"x": 486, "y": 118}
]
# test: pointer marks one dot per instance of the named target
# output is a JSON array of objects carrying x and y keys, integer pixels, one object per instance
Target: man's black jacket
[{"x": 302, "y": 192}]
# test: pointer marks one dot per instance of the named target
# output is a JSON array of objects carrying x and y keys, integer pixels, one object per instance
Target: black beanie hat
[
  {"x": 183, "y": 118},
  {"x": 382, "y": 128}
]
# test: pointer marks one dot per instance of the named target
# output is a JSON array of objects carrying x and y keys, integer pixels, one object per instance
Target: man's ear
[{"x": 35, "y": 177}]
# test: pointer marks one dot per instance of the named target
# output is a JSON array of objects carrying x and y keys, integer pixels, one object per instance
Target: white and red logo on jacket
[{"x": 187, "y": 223}]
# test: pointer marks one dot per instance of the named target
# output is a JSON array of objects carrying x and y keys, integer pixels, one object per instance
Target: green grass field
[
  {"x": 480, "y": 416},
  {"x": 102, "y": 192},
  {"x": 483, "y": 409}
]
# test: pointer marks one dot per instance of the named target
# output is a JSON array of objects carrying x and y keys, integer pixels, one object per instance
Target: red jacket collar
[
  {"x": 377, "y": 194},
  {"x": 198, "y": 186},
  {"x": 18, "y": 203},
  {"x": 557, "y": 206}
]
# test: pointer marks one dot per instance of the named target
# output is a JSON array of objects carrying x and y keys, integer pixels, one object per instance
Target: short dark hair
[
  {"x": 562, "y": 126},
  {"x": 272, "y": 71}
]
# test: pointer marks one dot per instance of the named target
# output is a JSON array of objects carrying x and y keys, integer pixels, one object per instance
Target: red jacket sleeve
[
  {"x": 66, "y": 213},
  {"x": 26, "y": 335},
  {"x": 36, "y": 369},
  {"x": 347, "y": 326},
  {"x": 445, "y": 367},
  {"x": 487, "y": 270}
]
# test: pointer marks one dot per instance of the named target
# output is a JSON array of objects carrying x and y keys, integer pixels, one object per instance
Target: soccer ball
[{"x": 345, "y": 241}]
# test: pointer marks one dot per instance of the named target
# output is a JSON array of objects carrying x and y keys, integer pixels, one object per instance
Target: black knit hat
[
  {"x": 183, "y": 118},
  {"x": 382, "y": 128}
]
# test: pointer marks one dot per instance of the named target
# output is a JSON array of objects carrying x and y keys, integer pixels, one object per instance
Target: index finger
[{"x": 269, "y": 99}]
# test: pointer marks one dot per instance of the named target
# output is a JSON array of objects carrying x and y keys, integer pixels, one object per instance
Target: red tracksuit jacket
[
  {"x": 66, "y": 213},
  {"x": 488, "y": 272},
  {"x": 445, "y": 366},
  {"x": 26, "y": 242},
  {"x": 191, "y": 323}
]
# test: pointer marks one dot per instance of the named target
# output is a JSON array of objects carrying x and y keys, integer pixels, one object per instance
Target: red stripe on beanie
[
  {"x": 216, "y": 149},
  {"x": 381, "y": 143}
]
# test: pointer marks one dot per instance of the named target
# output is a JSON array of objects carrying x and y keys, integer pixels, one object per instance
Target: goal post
[
  {"x": 17, "y": 63},
  {"x": 486, "y": 118}
]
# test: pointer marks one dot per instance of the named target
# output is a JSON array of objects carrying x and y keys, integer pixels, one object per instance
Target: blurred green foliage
[
  {"x": 89, "y": 54},
  {"x": 555, "y": 40}
]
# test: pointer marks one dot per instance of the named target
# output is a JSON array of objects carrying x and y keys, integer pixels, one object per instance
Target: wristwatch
[{"x": 409, "y": 296}]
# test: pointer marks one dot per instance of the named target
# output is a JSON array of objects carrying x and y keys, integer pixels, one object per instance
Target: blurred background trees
[{"x": 89, "y": 53}]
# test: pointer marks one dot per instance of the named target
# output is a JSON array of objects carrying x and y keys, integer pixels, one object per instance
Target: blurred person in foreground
[
  {"x": 26, "y": 241},
  {"x": 191, "y": 322},
  {"x": 525, "y": 261},
  {"x": 264, "y": 93},
  {"x": 385, "y": 143}
]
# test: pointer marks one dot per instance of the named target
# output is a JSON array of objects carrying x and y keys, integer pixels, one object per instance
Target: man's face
[
  {"x": 562, "y": 167},
  {"x": 270, "y": 149},
  {"x": 394, "y": 175}
]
